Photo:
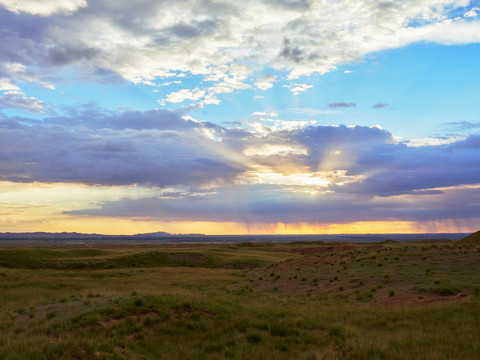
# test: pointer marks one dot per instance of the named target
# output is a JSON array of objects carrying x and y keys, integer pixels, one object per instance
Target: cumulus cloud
[
  {"x": 43, "y": 7},
  {"x": 265, "y": 82},
  {"x": 157, "y": 40},
  {"x": 5, "y": 84},
  {"x": 472, "y": 13},
  {"x": 297, "y": 89},
  {"x": 18, "y": 100},
  {"x": 182, "y": 95},
  {"x": 341, "y": 105}
]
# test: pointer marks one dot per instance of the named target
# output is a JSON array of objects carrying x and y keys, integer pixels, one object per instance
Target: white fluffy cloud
[
  {"x": 5, "y": 84},
  {"x": 182, "y": 95},
  {"x": 297, "y": 89},
  {"x": 227, "y": 43},
  {"x": 265, "y": 82},
  {"x": 472, "y": 13},
  {"x": 43, "y": 7}
]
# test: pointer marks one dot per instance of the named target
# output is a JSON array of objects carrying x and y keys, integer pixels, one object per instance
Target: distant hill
[{"x": 472, "y": 238}]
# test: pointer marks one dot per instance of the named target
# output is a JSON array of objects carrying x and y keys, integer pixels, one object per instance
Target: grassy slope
[
  {"x": 472, "y": 238},
  {"x": 271, "y": 301}
]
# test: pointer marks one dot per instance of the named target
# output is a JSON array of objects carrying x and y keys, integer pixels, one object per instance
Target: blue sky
[{"x": 288, "y": 116}]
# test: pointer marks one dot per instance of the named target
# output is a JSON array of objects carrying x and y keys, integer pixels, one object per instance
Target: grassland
[{"x": 409, "y": 300}]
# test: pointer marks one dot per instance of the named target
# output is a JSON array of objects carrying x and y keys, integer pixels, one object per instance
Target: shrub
[
  {"x": 51, "y": 315},
  {"x": 254, "y": 338},
  {"x": 279, "y": 330},
  {"x": 445, "y": 291}
]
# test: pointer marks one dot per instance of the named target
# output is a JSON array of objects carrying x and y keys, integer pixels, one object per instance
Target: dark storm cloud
[
  {"x": 434, "y": 183},
  {"x": 157, "y": 148},
  {"x": 384, "y": 179},
  {"x": 256, "y": 204},
  {"x": 341, "y": 104}
]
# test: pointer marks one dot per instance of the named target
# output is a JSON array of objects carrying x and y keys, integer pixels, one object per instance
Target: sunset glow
[{"x": 258, "y": 117}]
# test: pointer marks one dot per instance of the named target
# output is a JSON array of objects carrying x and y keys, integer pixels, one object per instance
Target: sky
[{"x": 250, "y": 117}]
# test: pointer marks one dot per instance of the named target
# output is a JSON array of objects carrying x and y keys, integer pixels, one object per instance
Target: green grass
[{"x": 324, "y": 301}]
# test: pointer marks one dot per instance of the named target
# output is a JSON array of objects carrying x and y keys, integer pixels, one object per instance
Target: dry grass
[{"x": 276, "y": 301}]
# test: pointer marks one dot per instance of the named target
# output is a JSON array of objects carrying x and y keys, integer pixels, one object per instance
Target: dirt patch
[
  {"x": 412, "y": 298},
  {"x": 136, "y": 317}
]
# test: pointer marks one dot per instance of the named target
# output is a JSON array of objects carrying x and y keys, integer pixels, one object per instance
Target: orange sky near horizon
[
  {"x": 30, "y": 207},
  {"x": 116, "y": 226}
]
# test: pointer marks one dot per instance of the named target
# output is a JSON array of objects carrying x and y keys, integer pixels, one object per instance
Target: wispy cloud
[
  {"x": 18, "y": 100},
  {"x": 462, "y": 125},
  {"x": 341, "y": 105},
  {"x": 381, "y": 106}
]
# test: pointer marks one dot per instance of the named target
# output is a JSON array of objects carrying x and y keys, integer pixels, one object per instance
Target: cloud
[
  {"x": 17, "y": 100},
  {"x": 462, "y": 125},
  {"x": 64, "y": 55},
  {"x": 297, "y": 89},
  {"x": 341, "y": 104},
  {"x": 472, "y": 13},
  {"x": 291, "y": 173},
  {"x": 156, "y": 147},
  {"x": 182, "y": 95},
  {"x": 43, "y": 7},
  {"x": 432, "y": 141},
  {"x": 294, "y": 54},
  {"x": 263, "y": 205},
  {"x": 265, "y": 82},
  {"x": 196, "y": 38},
  {"x": 5, "y": 84},
  {"x": 169, "y": 83},
  {"x": 380, "y": 105}
]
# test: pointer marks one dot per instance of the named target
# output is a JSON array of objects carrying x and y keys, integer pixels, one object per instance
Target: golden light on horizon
[
  {"x": 129, "y": 226},
  {"x": 29, "y": 207}
]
